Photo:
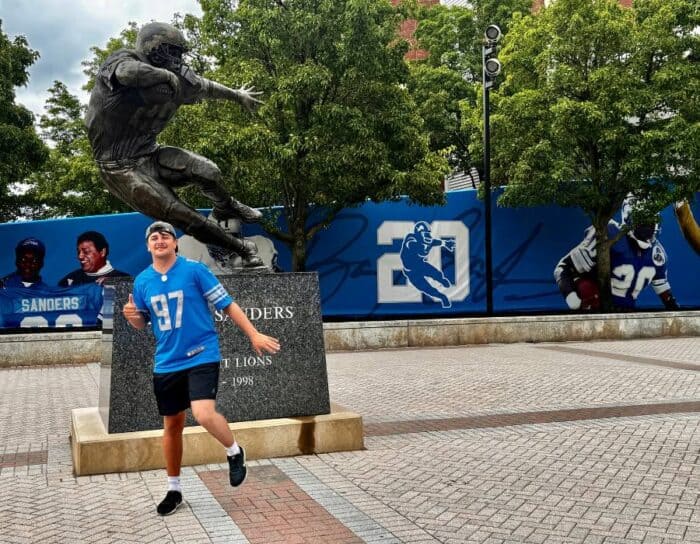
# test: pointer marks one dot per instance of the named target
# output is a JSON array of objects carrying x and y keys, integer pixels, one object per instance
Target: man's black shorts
[{"x": 175, "y": 390}]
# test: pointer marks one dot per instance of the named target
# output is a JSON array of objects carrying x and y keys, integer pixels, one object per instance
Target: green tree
[
  {"x": 338, "y": 126},
  {"x": 599, "y": 101},
  {"x": 444, "y": 85},
  {"x": 21, "y": 150}
]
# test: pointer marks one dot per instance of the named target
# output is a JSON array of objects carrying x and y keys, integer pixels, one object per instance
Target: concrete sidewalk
[{"x": 569, "y": 442}]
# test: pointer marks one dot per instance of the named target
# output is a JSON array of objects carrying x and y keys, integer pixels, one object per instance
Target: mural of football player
[
  {"x": 688, "y": 224},
  {"x": 29, "y": 259},
  {"x": 92, "y": 251},
  {"x": 637, "y": 260},
  {"x": 414, "y": 257}
]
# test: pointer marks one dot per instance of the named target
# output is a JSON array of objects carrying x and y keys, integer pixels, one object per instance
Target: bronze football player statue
[{"x": 136, "y": 94}]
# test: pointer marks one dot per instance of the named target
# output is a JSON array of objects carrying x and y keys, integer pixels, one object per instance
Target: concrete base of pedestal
[{"x": 96, "y": 452}]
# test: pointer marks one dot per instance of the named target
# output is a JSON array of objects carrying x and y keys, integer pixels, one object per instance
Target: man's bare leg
[
  {"x": 172, "y": 442},
  {"x": 172, "y": 451},
  {"x": 206, "y": 415},
  {"x": 204, "y": 411}
]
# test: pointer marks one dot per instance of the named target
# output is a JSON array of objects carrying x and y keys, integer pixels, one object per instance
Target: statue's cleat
[
  {"x": 228, "y": 258},
  {"x": 250, "y": 255},
  {"x": 237, "y": 210},
  {"x": 253, "y": 262}
]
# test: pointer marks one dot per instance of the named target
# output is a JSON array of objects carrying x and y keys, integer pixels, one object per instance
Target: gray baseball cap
[{"x": 160, "y": 226}]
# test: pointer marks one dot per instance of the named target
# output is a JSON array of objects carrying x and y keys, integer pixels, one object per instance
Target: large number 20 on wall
[{"x": 390, "y": 263}]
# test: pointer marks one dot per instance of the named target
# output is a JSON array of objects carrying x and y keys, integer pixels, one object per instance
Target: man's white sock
[
  {"x": 174, "y": 484},
  {"x": 233, "y": 450}
]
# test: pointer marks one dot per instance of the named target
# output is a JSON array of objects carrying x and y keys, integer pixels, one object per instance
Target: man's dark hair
[{"x": 96, "y": 238}]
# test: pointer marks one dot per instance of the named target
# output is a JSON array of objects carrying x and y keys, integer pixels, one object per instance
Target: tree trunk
[
  {"x": 298, "y": 246},
  {"x": 603, "y": 264},
  {"x": 299, "y": 254}
]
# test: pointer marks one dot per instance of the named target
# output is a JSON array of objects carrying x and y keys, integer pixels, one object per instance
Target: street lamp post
[{"x": 491, "y": 67}]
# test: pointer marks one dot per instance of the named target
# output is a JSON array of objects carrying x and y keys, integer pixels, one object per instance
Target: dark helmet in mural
[
  {"x": 420, "y": 227},
  {"x": 162, "y": 44}
]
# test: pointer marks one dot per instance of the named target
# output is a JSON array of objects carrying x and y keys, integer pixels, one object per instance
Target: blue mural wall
[{"x": 373, "y": 262}]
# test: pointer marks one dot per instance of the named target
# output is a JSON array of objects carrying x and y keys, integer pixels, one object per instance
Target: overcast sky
[{"x": 62, "y": 31}]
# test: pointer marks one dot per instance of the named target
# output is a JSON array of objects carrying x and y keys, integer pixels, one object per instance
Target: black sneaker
[
  {"x": 237, "y": 470},
  {"x": 171, "y": 502}
]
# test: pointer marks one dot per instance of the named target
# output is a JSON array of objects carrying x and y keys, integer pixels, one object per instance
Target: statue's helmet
[{"x": 162, "y": 44}]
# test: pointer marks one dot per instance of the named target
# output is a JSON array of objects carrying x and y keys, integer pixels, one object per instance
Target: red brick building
[{"x": 408, "y": 28}]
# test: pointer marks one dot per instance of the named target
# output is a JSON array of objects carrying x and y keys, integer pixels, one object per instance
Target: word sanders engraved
[{"x": 267, "y": 312}]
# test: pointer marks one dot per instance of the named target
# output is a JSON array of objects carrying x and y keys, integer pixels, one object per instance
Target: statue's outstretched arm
[
  {"x": 245, "y": 95},
  {"x": 133, "y": 73}
]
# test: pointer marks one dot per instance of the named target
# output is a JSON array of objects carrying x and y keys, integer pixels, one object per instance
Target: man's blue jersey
[
  {"x": 182, "y": 323},
  {"x": 42, "y": 305},
  {"x": 632, "y": 268}
]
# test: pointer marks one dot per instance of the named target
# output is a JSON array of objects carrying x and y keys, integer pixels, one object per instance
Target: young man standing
[{"x": 173, "y": 293}]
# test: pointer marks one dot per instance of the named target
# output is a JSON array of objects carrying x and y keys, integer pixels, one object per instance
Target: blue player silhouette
[{"x": 414, "y": 256}]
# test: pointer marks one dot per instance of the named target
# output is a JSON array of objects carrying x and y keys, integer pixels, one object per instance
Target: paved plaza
[{"x": 561, "y": 443}]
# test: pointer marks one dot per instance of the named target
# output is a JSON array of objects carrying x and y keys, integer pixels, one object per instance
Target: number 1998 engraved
[{"x": 242, "y": 381}]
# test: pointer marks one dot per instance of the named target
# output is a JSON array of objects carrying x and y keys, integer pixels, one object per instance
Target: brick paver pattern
[
  {"x": 581, "y": 442},
  {"x": 272, "y": 508}
]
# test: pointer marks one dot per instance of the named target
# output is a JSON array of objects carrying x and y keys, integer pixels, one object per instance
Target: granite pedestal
[
  {"x": 271, "y": 392},
  {"x": 290, "y": 383}
]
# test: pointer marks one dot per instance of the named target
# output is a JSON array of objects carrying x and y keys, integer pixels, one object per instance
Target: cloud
[{"x": 62, "y": 31}]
